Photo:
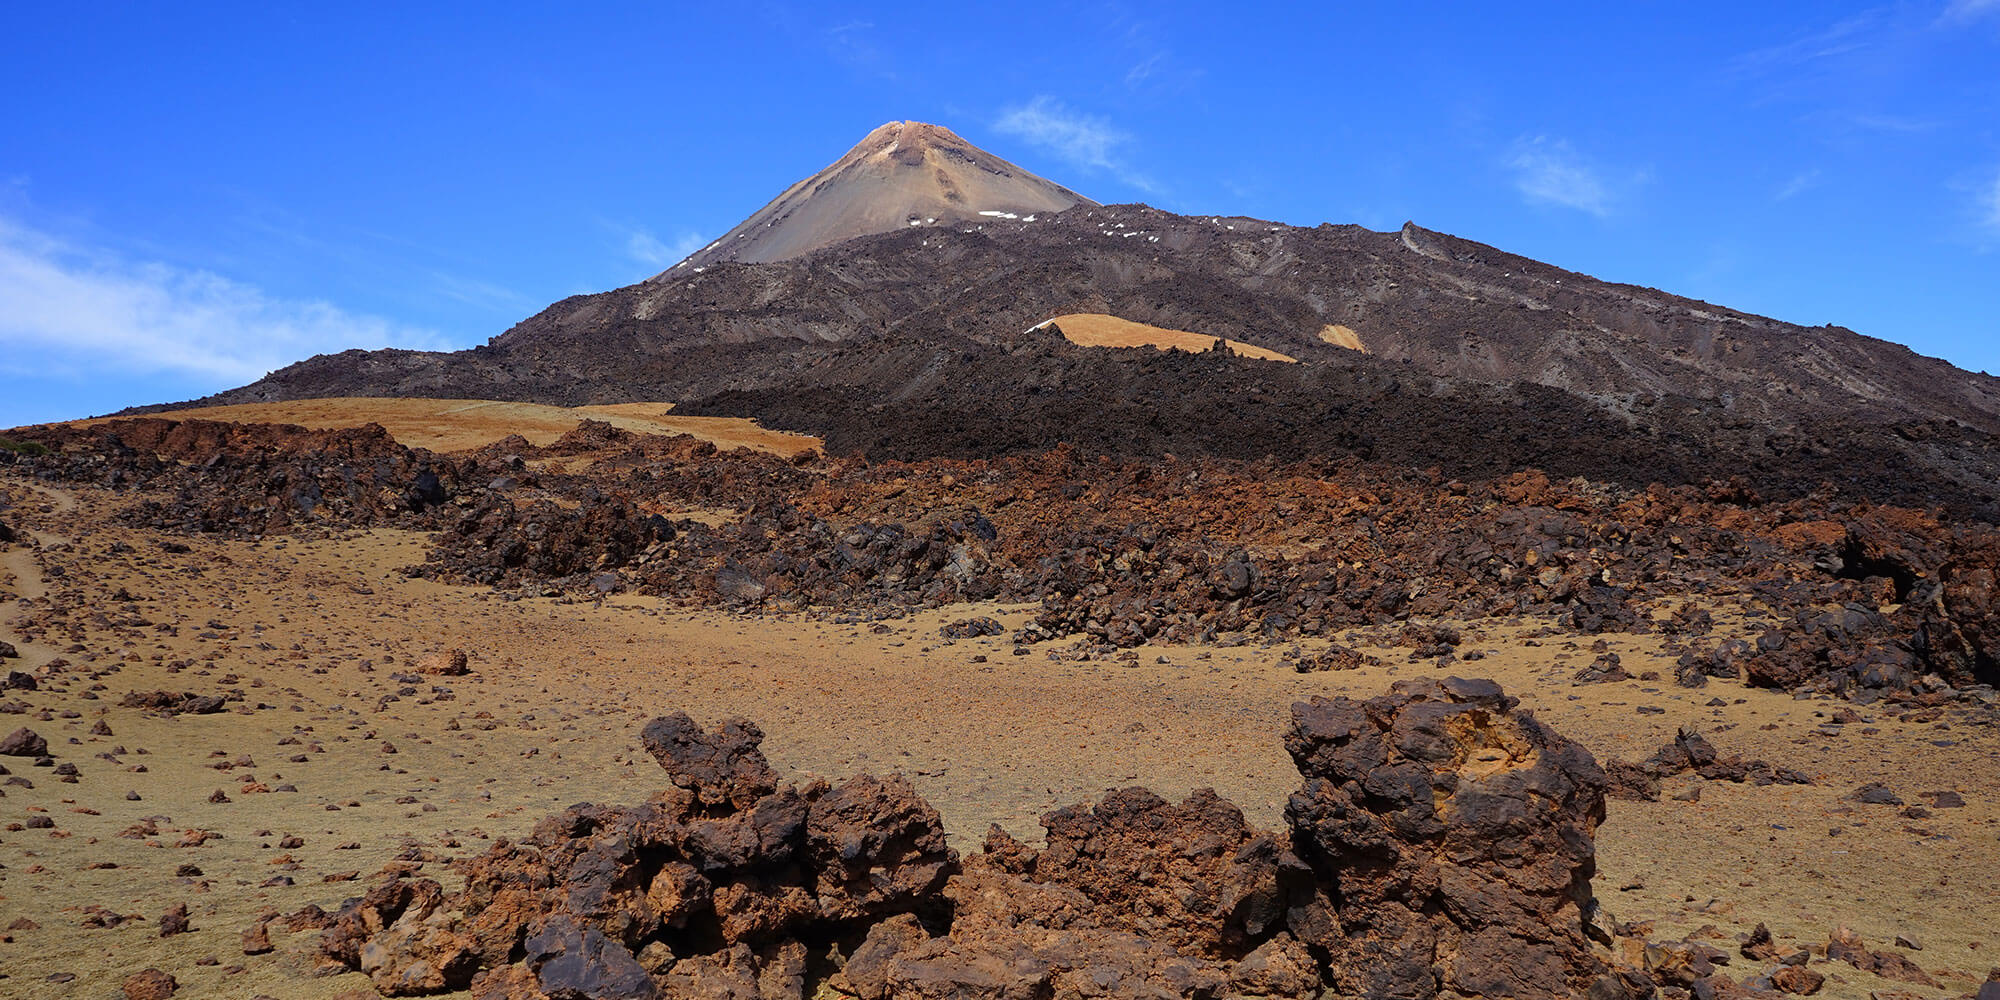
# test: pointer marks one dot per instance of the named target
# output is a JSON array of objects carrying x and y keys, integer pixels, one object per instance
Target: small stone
[
  {"x": 450, "y": 663},
  {"x": 24, "y": 742},
  {"x": 1876, "y": 794},
  {"x": 257, "y": 939},
  {"x": 1797, "y": 979},
  {"x": 151, "y": 984}
]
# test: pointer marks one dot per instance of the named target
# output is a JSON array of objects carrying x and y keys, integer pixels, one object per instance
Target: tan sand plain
[
  {"x": 1100, "y": 330},
  {"x": 443, "y": 425},
  {"x": 1342, "y": 336},
  {"x": 313, "y": 632}
]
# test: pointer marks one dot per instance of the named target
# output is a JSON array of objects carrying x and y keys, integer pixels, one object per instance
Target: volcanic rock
[
  {"x": 449, "y": 663},
  {"x": 716, "y": 886},
  {"x": 1455, "y": 837},
  {"x": 150, "y": 984},
  {"x": 24, "y": 743},
  {"x": 724, "y": 768},
  {"x": 1690, "y": 751}
]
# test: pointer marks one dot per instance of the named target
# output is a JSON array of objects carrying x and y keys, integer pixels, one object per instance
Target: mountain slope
[
  {"x": 876, "y": 324},
  {"x": 903, "y": 174},
  {"x": 1445, "y": 306}
]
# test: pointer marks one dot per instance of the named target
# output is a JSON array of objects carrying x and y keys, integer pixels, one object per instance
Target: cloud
[
  {"x": 1989, "y": 204},
  {"x": 1084, "y": 140},
  {"x": 1848, "y": 35},
  {"x": 1146, "y": 68},
  {"x": 1960, "y": 11},
  {"x": 652, "y": 251},
  {"x": 1549, "y": 171},
  {"x": 1078, "y": 138},
  {"x": 1799, "y": 184},
  {"x": 69, "y": 309}
]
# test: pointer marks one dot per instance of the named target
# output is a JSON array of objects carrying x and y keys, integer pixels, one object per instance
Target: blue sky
[{"x": 192, "y": 195}]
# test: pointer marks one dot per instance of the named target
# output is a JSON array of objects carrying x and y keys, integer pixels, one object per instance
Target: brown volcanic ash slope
[{"x": 903, "y": 174}]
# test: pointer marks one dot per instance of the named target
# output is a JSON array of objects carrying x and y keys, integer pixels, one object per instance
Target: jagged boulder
[
  {"x": 1455, "y": 841},
  {"x": 709, "y": 884}
]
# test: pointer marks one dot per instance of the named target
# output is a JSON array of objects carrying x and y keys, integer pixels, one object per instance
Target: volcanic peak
[{"x": 902, "y": 174}]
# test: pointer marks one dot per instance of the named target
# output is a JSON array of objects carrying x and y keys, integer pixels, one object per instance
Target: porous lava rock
[
  {"x": 723, "y": 858},
  {"x": 250, "y": 479},
  {"x": 1440, "y": 841},
  {"x": 1456, "y": 839}
]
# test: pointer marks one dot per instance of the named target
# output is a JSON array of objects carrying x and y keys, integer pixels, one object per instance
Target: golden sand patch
[
  {"x": 457, "y": 424},
  {"x": 1342, "y": 336},
  {"x": 1100, "y": 330}
]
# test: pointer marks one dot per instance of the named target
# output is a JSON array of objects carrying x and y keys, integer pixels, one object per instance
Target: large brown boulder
[{"x": 1456, "y": 838}]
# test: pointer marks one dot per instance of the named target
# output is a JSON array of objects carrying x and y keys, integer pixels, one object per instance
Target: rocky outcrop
[
  {"x": 1440, "y": 841},
  {"x": 1864, "y": 601},
  {"x": 1687, "y": 752},
  {"x": 219, "y": 477},
  {"x": 717, "y": 876},
  {"x": 1456, "y": 840}
]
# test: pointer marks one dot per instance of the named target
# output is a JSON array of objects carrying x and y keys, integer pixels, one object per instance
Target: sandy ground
[
  {"x": 1100, "y": 330},
  {"x": 458, "y": 424},
  {"x": 1342, "y": 336},
  {"x": 364, "y": 766}
]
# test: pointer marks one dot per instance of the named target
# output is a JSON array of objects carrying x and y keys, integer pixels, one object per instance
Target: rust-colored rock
[
  {"x": 256, "y": 939},
  {"x": 150, "y": 984},
  {"x": 723, "y": 768},
  {"x": 1455, "y": 840},
  {"x": 1439, "y": 840},
  {"x": 448, "y": 663}
]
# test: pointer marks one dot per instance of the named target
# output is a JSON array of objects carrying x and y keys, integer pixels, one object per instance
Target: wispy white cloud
[
  {"x": 1848, "y": 35},
  {"x": 1085, "y": 140},
  {"x": 1079, "y": 138},
  {"x": 1960, "y": 11},
  {"x": 1989, "y": 203},
  {"x": 1146, "y": 68},
  {"x": 1800, "y": 183},
  {"x": 479, "y": 294},
  {"x": 652, "y": 251},
  {"x": 71, "y": 309},
  {"x": 1548, "y": 171}
]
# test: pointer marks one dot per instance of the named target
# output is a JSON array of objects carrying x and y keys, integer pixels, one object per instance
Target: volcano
[
  {"x": 910, "y": 301},
  {"x": 903, "y": 174}
]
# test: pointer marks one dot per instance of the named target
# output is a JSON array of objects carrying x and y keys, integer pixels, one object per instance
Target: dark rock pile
[
  {"x": 1688, "y": 752},
  {"x": 1865, "y": 601},
  {"x": 1440, "y": 841},
  {"x": 250, "y": 479}
]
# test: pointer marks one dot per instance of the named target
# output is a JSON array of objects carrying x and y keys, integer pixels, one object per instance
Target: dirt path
[{"x": 24, "y": 577}]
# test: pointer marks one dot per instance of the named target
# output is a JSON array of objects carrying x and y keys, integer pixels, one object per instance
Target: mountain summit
[{"x": 902, "y": 174}]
